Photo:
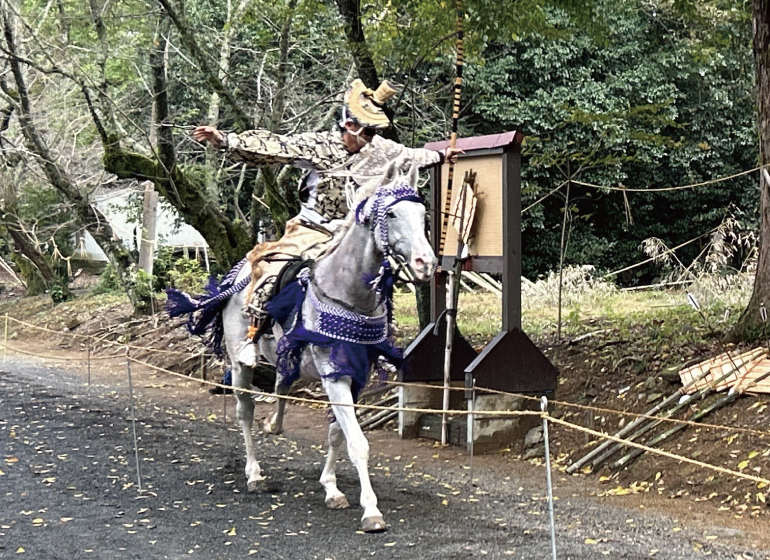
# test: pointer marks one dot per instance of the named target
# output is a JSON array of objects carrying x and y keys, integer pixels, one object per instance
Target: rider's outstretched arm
[{"x": 261, "y": 146}]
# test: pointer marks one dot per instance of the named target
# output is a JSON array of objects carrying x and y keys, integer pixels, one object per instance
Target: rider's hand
[
  {"x": 451, "y": 154},
  {"x": 210, "y": 134}
]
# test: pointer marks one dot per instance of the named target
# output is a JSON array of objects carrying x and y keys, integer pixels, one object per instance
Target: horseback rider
[{"x": 337, "y": 164}]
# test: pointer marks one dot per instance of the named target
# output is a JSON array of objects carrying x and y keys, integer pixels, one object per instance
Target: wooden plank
[{"x": 718, "y": 366}]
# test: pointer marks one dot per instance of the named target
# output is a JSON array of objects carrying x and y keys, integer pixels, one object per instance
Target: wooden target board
[
  {"x": 510, "y": 362},
  {"x": 486, "y": 239}
]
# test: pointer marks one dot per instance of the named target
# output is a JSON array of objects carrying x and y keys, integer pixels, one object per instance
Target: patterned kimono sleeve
[
  {"x": 261, "y": 146},
  {"x": 407, "y": 156}
]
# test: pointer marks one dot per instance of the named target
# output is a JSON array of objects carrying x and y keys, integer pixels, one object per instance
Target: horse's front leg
[
  {"x": 358, "y": 450},
  {"x": 334, "y": 498},
  {"x": 242, "y": 376}
]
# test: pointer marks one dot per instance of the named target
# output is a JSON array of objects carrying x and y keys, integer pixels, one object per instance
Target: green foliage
[
  {"x": 109, "y": 281},
  {"x": 144, "y": 285},
  {"x": 187, "y": 275},
  {"x": 660, "y": 99},
  {"x": 169, "y": 272},
  {"x": 610, "y": 92}
]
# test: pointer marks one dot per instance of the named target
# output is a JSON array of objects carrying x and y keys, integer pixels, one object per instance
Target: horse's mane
[{"x": 358, "y": 196}]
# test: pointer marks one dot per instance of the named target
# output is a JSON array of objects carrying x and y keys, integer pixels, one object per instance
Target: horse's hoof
[
  {"x": 374, "y": 525},
  {"x": 270, "y": 428},
  {"x": 257, "y": 485},
  {"x": 337, "y": 502}
]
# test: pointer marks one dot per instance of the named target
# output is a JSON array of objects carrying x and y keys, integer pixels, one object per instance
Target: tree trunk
[
  {"x": 229, "y": 241},
  {"x": 350, "y": 10},
  {"x": 232, "y": 23},
  {"x": 41, "y": 273},
  {"x": 187, "y": 36},
  {"x": 96, "y": 223},
  {"x": 750, "y": 325}
]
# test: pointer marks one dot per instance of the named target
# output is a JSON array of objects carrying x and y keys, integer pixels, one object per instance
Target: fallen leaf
[
  {"x": 231, "y": 532},
  {"x": 590, "y": 541}
]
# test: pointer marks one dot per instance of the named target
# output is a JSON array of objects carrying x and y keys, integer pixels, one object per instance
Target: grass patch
[{"x": 590, "y": 303}]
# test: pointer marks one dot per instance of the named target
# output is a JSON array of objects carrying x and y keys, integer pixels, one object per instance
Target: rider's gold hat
[{"x": 366, "y": 106}]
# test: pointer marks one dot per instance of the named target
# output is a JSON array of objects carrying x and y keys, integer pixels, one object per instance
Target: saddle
[{"x": 286, "y": 276}]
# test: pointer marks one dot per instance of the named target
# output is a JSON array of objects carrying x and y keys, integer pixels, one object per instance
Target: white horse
[{"x": 340, "y": 295}]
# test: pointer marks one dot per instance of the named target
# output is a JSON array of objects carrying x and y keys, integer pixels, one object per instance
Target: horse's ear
[
  {"x": 391, "y": 173},
  {"x": 414, "y": 175}
]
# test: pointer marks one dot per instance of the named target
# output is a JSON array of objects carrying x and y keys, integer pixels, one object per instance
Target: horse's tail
[{"x": 205, "y": 312}]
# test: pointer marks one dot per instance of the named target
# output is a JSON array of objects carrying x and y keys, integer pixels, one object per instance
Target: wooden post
[{"x": 149, "y": 219}]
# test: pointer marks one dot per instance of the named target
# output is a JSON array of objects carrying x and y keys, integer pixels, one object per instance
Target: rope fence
[
  {"x": 476, "y": 413},
  {"x": 595, "y": 409}
]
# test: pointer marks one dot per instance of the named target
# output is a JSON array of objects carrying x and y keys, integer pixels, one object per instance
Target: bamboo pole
[
  {"x": 654, "y": 410},
  {"x": 732, "y": 394},
  {"x": 451, "y": 308},
  {"x": 701, "y": 394}
]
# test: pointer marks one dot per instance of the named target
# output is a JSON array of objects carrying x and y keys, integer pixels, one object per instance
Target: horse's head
[{"x": 396, "y": 212}]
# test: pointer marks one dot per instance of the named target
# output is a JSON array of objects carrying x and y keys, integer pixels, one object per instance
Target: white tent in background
[{"x": 171, "y": 230}]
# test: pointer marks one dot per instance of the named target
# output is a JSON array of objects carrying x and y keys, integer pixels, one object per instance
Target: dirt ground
[{"x": 609, "y": 370}]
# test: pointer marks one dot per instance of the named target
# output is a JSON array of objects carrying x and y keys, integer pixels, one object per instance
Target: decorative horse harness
[{"x": 356, "y": 340}]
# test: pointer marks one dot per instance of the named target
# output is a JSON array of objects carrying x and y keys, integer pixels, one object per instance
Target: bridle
[{"x": 373, "y": 212}]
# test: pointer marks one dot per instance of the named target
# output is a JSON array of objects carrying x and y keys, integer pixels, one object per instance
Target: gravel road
[{"x": 68, "y": 481}]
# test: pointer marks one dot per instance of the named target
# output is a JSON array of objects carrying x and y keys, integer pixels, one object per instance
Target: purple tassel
[{"x": 206, "y": 312}]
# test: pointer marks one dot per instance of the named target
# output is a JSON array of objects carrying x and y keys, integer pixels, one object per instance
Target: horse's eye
[{"x": 390, "y": 214}]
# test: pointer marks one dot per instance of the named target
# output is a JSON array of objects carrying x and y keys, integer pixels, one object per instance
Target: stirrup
[{"x": 247, "y": 354}]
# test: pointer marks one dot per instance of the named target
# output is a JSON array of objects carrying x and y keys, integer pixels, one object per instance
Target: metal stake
[
  {"x": 88, "y": 361},
  {"x": 133, "y": 417},
  {"x": 470, "y": 387},
  {"x": 544, "y": 409},
  {"x": 5, "y": 338}
]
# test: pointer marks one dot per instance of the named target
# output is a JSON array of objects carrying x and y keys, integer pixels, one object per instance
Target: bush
[
  {"x": 187, "y": 275},
  {"x": 109, "y": 281}
]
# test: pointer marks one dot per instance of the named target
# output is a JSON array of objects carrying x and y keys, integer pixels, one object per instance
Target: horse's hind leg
[
  {"x": 274, "y": 424},
  {"x": 267, "y": 347},
  {"x": 334, "y": 498},
  {"x": 242, "y": 376},
  {"x": 358, "y": 450}
]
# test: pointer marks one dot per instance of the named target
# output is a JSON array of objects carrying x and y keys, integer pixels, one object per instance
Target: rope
[
  {"x": 108, "y": 342},
  {"x": 497, "y": 413},
  {"x": 491, "y": 413},
  {"x": 667, "y": 251},
  {"x": 662, "y": 189},
  {"x": 393, "y": 383},
  {"x": 659, "y": 451},
  {"x": 593, "y": 408},
  {"x": 60, "y": 358}
]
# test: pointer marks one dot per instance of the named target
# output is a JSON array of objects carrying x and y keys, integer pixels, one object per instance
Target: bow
[{"x": 458, "y": 88}]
